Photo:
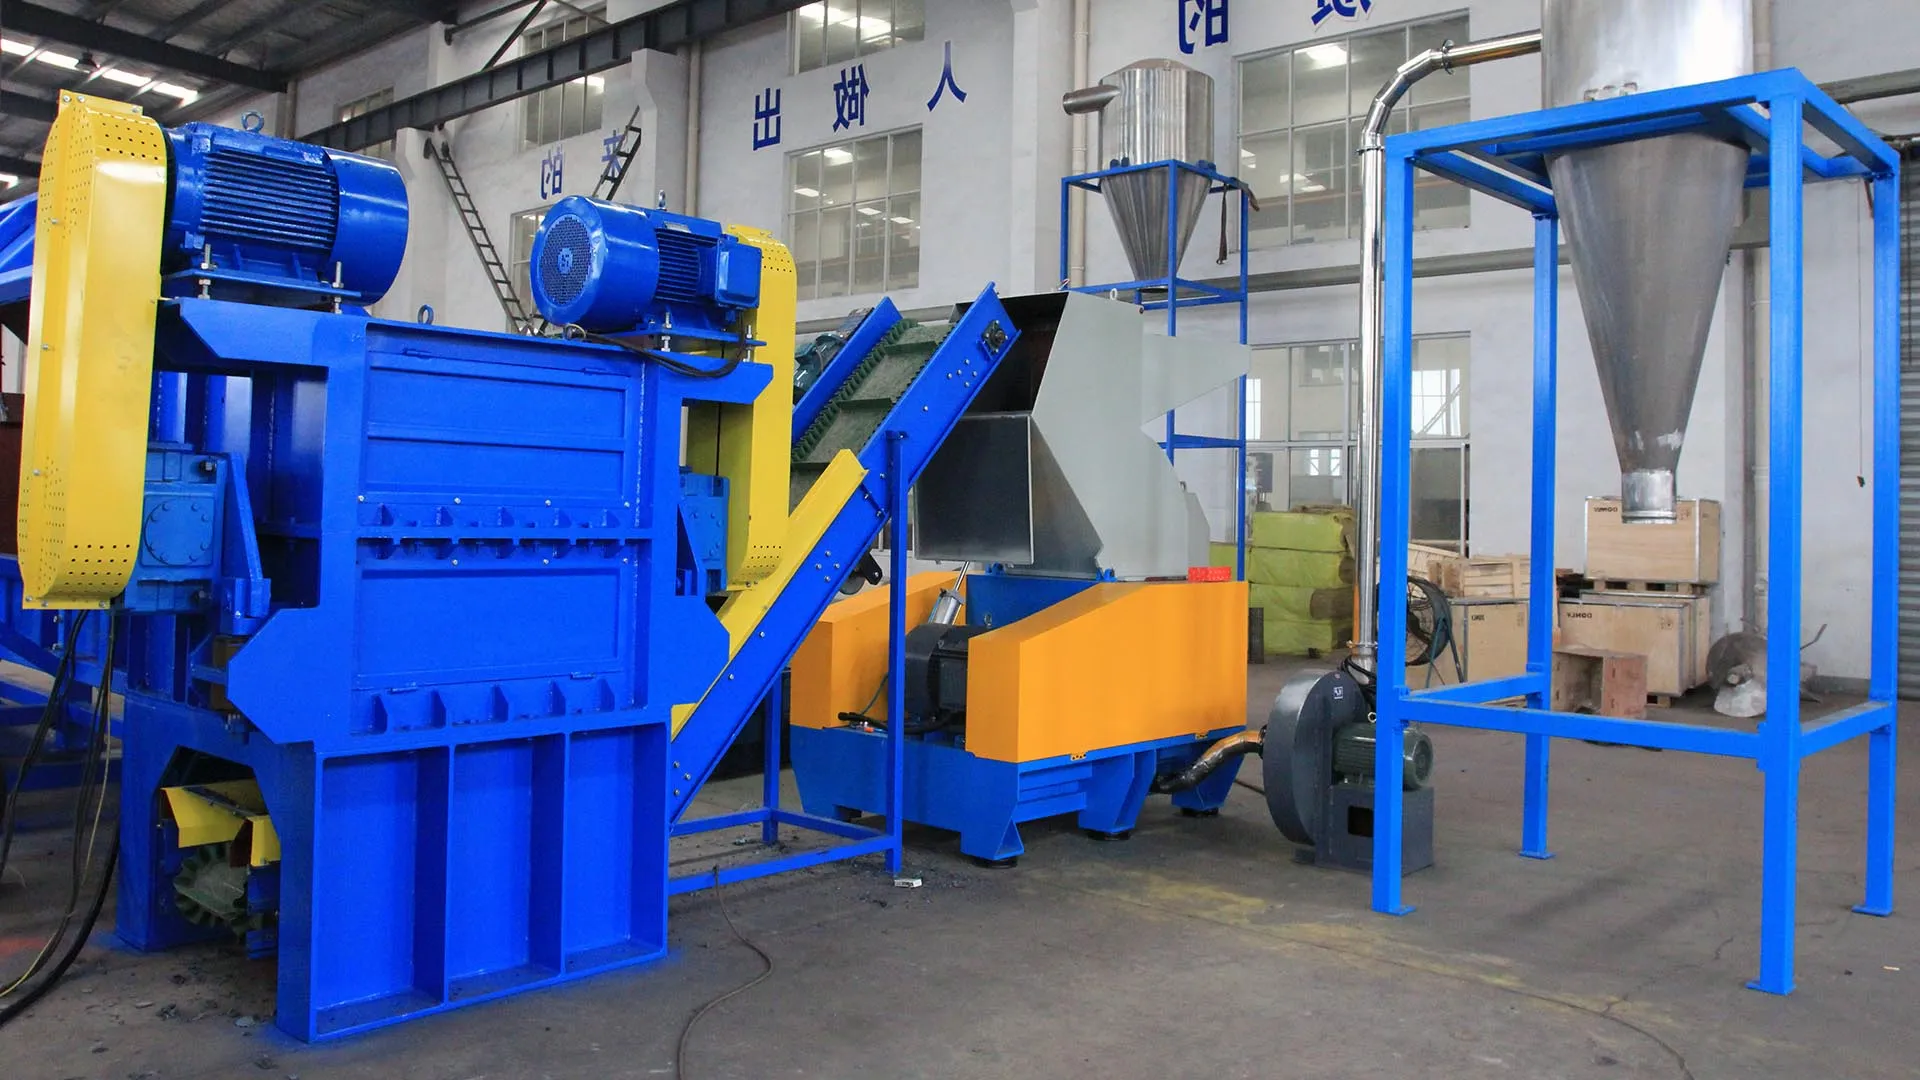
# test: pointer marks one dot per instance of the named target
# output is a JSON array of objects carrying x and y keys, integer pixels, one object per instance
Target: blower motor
[
  {"x": 1318, "y": 763},
  {"x": 613, "y": 269}
]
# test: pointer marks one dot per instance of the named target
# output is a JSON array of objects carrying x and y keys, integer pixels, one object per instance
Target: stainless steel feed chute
[
  {"x": 1649, "y": 222},
  {"x": 1152, "y": 110}
]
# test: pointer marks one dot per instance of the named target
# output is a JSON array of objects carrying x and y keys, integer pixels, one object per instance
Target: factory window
[
  {"x": 837, "y": 31},
  {"x": 853, "y": 216},
  {"x": 1303, "y": 414},
  {"x": 572, "y": 108},
  {"x": 360, "y": 107},
  {"x": 520, "y": 233},
  {"x": 1301, "y": 112}
]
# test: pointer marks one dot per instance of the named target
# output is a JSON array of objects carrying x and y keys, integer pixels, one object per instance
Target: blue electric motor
[
  {"x": 613, "y": 269},
  {"x": 247, "y": 210}
]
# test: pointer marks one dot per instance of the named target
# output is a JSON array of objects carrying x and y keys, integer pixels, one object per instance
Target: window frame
[
  {"x": 360, "y": 106},
  {"x": 519, "y": 263},
  {"x": 1287, "y": 232},
  {"x": 590, "y": 88},
  {"x": 894, "y": 240},
  {"x": 1335, "y": 449},
  {"x": 798, "y": 64}
]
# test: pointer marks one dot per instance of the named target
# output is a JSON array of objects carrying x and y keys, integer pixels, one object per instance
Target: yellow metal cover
[
  {"x": 215, "y": 813},
  {"x": 752, "y": 445},
  {"x": 89, "y": 368},
  {"x": 1115, "y": 665},
  {"x": 844, "y": 658}
]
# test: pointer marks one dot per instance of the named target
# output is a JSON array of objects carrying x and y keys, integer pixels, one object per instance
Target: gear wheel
[{"x": 210, "y": 891}]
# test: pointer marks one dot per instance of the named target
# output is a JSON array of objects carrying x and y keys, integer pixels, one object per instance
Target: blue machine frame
[
  {"x": 1504, "y": 158},
  {"x": 1198, "y": 294}
]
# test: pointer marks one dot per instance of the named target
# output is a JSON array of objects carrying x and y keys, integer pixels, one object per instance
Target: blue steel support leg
[
  {"x": 770, "y": 766},
  {"x": 1780, "y": 731},
  {"x": 1173, "y": 274},
  {"x": 1884, "y": 646},
  {"x": 1066, "y": 236},
  {"x": 1240, "y": 477},
  {"x": 1540, "y": 595},
  {"x": 1395, "y": 436},
  {"x": 1240, "y": 513},
  {"x": 896, "y": 652}
]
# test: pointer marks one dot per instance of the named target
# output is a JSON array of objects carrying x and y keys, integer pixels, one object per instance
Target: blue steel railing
[
  {"x": 1505, "y": 158},
  {"x": 1180, "y": 293}
]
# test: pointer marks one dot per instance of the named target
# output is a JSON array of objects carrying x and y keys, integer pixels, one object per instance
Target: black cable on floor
[
  {"x": 86, "y": 931},
  {"x": 686, "y": 1033},
  {"x": 55, "y": 706},
  {"x": 1250, "y": 786}
]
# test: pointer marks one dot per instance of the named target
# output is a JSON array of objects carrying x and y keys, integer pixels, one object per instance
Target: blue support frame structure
[
  {"x": 894, "y": 456},
  {"x": 1505, "y": 158},
  {"x": 770, "y": 815},
  {"x": 1179, "y": 292}
]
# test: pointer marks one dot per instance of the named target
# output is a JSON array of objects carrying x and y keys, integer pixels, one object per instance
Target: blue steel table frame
[
  {"x": 1198, "y": 294},
  {"x": 770, "y": 815},
  {"x": 1504, "y": 158}
]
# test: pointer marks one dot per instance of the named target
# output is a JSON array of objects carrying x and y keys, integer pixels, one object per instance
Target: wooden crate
[
  {"x": 1600, "y": 682},
  {"x": 1687, "y": 550},
  {"x": 1479, "y": 576},
  {"x": 1492, "y": 638},
  {"x": 1672, "y": 632}
]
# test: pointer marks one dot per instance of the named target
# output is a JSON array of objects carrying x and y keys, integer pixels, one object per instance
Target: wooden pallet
[{"x": 1670, "y": 588}]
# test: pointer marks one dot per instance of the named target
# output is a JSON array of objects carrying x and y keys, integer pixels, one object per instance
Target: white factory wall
[
  {"x": 971, "y": 185},
  {"x": 990, "y": 208}
]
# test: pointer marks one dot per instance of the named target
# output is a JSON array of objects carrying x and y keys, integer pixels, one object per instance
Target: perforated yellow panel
[{"x": 89, "y": 368}]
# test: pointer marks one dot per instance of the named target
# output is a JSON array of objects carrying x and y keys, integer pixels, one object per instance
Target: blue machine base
[{"x": 842, "y": 770}]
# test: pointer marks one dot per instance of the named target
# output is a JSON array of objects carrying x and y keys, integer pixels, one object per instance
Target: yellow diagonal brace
[
  {"x": 823, "y": 502},
  {"x": 89, "y": 368}
]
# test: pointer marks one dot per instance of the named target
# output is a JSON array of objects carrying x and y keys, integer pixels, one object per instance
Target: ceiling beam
[
  {"x": 186, "y": 20},
  {"x": 663, "y": 29},
  {"x": 18, "y": 15},
  {"x": 426, "y": 11},
  {"x": 260, "y": 25},
  {"x": 28, "y": 107}
]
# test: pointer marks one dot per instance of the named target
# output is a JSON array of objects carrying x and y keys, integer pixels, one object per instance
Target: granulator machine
[
  {"x": 1088, "y": 671},
  {"x": 427, "y": 636}
]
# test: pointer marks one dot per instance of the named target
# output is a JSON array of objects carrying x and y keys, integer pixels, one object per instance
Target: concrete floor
[{"x": 1196, "y": 949}]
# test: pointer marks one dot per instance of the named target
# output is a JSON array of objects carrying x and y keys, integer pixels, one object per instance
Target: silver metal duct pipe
[{"x": 1373, "y": 287}]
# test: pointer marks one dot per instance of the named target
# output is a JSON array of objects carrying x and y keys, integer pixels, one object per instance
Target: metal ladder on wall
[
  {"x": 476, "y": 227},
  {"x": 616, "y": 171}
]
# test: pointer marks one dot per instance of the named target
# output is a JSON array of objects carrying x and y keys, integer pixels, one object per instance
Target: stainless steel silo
[
  {"x": 1152, "y": 110},
  {"x": 1649, "y": 222}
]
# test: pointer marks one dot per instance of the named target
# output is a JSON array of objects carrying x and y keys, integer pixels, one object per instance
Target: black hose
[
  {"x": 574, "y": 332},
  {"x": 1245, "y": 742}
]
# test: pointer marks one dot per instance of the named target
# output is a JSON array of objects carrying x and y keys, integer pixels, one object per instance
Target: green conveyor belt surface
[{"x": 855, "y": 412}]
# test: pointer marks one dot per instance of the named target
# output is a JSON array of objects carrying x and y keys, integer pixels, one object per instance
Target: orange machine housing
[{"x": 1116, "y": 665}]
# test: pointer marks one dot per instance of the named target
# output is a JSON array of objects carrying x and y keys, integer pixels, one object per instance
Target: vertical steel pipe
[{"x": 1373, "y": 147}]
